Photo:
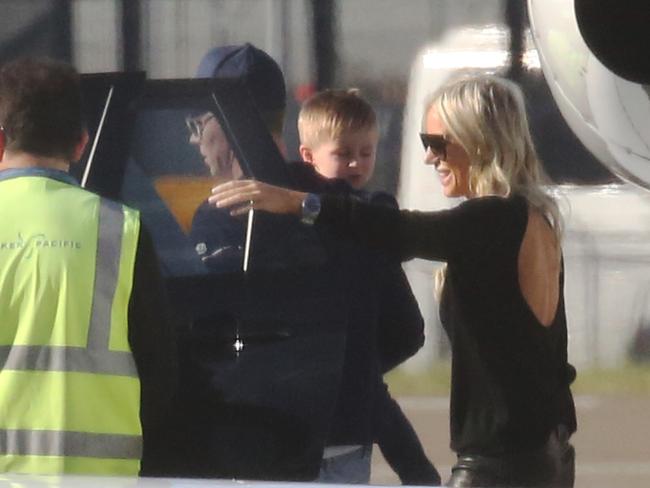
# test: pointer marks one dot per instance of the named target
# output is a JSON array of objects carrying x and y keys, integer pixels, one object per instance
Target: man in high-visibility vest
[{"x": 84, "y": 348}]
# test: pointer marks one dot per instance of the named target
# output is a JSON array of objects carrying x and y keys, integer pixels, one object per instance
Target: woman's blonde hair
[{"x": 486, "y": 115}]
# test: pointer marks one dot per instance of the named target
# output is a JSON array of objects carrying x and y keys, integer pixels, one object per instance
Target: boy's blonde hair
[{"x": 330, "y": 113}]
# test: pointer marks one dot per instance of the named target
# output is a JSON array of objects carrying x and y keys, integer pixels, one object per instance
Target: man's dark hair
[{"x": 40, "y": 107}]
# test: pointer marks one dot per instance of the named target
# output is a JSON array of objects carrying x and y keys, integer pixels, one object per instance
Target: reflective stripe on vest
[
  {"x": 67, "y": 359},
  {"x": 109, "y": 250},
  {"x": 81, "y": 444}
]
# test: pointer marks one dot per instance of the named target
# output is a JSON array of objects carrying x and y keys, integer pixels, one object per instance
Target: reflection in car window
[{"x": 177, "y": 156}]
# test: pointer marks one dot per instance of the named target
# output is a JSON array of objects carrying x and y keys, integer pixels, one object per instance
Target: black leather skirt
[{"x": 551, "y": 466}]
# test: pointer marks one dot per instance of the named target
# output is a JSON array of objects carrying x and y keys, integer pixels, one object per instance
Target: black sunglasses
[
  {"x": 436, "y": 142},
  {"x": 196, "y": 125}
]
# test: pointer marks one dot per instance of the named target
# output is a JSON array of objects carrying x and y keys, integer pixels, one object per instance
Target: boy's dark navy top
[{"x": 510, "y": 374}]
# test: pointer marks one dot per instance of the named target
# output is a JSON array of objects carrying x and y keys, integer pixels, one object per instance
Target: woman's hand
[{"x": 242, "y": 195}]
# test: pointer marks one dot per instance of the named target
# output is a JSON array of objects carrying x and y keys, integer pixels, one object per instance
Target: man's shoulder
[{"x": 108, "y": 202}]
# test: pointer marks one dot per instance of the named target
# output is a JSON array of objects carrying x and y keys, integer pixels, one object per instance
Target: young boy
[{"x": 338, "y": 136}]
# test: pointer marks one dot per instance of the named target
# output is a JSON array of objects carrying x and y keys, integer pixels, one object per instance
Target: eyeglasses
[
  {"x": 196, "y": 125},
  {"x": 436, "y": 142}
]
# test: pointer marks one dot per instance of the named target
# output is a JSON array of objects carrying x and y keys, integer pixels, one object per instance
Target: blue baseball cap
[{"x": 260, "y": 72}]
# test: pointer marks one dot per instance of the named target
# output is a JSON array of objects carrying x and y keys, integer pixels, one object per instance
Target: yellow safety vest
[{"x": 69, "y": 388}]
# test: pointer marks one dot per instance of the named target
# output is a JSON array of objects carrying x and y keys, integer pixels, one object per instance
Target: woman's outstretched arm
[
  {"x": 406, "y": 234},
  {"x": 335, "y": 213}
]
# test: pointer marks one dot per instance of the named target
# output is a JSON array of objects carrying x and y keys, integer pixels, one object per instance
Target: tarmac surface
[{"x": 612, "y": 443}]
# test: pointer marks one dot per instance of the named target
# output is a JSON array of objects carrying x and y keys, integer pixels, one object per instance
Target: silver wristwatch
[{"x": 310, "y": 208}]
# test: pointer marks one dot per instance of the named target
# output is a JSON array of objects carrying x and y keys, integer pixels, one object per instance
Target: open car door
[{"x": 261, "y": 351}]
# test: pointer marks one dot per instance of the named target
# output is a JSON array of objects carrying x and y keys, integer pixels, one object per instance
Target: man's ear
[
  {"x": 306, "y": 154},
  {"x": 80, "y": 147}
]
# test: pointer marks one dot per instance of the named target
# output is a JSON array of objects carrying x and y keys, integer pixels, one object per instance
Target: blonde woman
[{"x": 501, "y": 295}]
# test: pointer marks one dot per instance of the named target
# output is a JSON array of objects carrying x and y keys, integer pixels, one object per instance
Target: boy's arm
[{"x": 399, "y": 443}]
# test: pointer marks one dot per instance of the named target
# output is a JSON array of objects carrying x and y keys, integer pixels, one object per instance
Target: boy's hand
[{"x": 242, "y": 195}]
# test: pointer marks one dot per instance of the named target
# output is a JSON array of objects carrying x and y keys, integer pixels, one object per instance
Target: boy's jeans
[{"x": 351, "y": 467}]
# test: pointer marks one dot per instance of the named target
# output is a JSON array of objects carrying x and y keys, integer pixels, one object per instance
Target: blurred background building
[{"x": 370, "y": 44}]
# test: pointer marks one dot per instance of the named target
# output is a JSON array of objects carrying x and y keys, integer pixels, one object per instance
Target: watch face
[
  {"x": 312, "y": 203},
  {"x": 310, "y": 208}
]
